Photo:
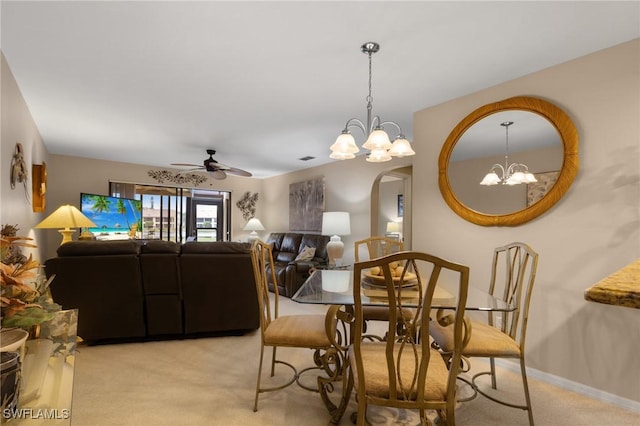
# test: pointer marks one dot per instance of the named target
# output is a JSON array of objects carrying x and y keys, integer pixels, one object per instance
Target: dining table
[{"x": 334, "y": 288}]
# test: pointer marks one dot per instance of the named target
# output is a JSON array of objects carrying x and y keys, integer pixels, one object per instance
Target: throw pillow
[{"x": 307, "y": 253}]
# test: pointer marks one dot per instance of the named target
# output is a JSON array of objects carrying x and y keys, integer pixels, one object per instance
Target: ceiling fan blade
[
  {"x": 220, "y": 166},
  {"x": 238, "y": 172},
  {"x": 219, "y": 174},
  {"x": 186, "y": 165},
  {"x": 196, "y": 169}
]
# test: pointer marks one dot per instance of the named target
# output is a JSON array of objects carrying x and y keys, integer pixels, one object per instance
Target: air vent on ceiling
[{"x": 307, "y": 158}]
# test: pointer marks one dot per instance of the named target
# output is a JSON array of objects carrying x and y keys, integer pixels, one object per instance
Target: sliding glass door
[{"x": 179, "y": 214}]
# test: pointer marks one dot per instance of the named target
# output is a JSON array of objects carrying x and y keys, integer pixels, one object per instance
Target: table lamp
[
  {"x": 393, "y": 229},
  {"x": 253, "y": 225},
  {"x": 335, "y": 224},
  {"x": 66, "y": 217}
]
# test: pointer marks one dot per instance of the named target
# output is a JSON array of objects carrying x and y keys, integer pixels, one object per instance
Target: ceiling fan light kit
[
  {"x": 217, "y": 170},
  {"x": 378, "y": 142}
]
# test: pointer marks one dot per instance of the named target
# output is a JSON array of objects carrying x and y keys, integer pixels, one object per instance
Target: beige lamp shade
[
  {"x": 393, "y": 227},
  {"x": 66, "y": 217}
]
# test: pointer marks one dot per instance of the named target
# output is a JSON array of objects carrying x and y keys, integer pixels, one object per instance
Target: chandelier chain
[
  {"x": 506, "y": 125},
  {"x": 370, "y": 98}
]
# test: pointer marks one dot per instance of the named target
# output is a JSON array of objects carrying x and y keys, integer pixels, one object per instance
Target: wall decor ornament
[
  {"x": 18, "y": 170},
  {"x": 247, "y": 205},
  {"x": 180, "y": 178},
  {"x": 306, "y": 204}
]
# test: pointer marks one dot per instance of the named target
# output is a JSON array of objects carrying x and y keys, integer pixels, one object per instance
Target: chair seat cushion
[
  {"x": 485, "y": 341},
  {"x": 297, "y": 331},
  {"x": 377, "y": 375}
]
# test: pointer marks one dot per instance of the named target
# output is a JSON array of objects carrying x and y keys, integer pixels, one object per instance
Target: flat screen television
[{"x": 115, "y": 218}]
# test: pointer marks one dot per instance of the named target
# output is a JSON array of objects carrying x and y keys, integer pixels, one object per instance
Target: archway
[{"x": 386, "y": 206}]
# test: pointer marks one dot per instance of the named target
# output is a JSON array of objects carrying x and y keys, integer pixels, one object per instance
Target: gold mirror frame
[{"x": 568, "y": 134}]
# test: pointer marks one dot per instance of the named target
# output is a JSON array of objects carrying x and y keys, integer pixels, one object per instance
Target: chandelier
[
  {"x": 378, "y": 142},
  {"x": 512, "y": 174}
]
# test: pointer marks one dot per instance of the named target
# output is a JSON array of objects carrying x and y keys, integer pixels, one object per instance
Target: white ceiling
[{"x": 265, "y": 83}]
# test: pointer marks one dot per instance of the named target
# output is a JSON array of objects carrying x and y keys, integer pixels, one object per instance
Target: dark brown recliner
[
  {"x": 218, "y": 287},
  {"x": 104, "y": 282},
  {"x": 291, "y": 273},
  {"x": 162, "y": 290}
]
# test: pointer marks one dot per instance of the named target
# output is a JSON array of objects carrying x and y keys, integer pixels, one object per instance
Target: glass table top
[{"x": 335, "y": 287}]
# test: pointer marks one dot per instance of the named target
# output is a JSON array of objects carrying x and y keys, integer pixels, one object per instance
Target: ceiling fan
[{"x": 217, "y": 170}]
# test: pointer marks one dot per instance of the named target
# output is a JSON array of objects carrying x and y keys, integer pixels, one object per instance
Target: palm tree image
[
  {"x": 100, "y": 204},
  {"x": 122, "y": 209},
  {"x": 136, "y": 206}
]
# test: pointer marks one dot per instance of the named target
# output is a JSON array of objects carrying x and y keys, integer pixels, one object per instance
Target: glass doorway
[
  {"x": 206, "y": 218},
  {"x": 179, "y": 214}
]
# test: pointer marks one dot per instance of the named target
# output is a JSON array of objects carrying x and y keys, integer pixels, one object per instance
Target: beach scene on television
[{"x": 116, "y": 218}]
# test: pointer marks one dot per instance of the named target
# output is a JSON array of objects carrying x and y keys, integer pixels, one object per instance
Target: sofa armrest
[
  {"x": 303, "y": 266},
  {"x": 296, "y": 273}
]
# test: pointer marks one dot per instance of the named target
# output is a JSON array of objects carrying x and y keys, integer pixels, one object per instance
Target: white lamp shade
[
  {"x": 336, "y": 223},
  {"x": 516, "y": 178},
  {"x": 345, "y": 144},
  {"x": 401, "y": 148},
  {"x": 341, "y": 156},
  {"x": 491, "y": 178},
  {"x": 378, "y": 139},
  {"x": 254, "y": 224},
  {"x": 379, "y": 156}
]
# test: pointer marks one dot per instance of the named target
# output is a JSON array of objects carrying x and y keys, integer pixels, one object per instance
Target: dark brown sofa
[
  {"x": 291, "y": 273},
  {"x": 137, "y": 290},
  {"x": 218, "y": 287}
]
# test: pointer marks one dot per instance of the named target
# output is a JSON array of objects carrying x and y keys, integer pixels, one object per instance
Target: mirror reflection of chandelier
[
  {"x": 378, "y": 142},
  {"x": 512, "y": 174}
]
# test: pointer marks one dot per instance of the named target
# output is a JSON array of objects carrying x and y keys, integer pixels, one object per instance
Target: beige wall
[
  {"x": 18, "y": 127},
  {"x": 593, "y": 231}
]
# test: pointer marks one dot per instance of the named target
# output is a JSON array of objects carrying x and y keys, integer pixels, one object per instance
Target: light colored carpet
[{"x": 211, "y": 381}]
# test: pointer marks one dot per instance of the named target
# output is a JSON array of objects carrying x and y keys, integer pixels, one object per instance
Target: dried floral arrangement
[{"x": 25, "y": 298}]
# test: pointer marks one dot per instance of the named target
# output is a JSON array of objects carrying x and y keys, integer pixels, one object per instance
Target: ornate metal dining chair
[
  {"x": 512, "y": 276},
  {"x": 372, "y": 248},
  {"x": 403, "y": 371},
  {"x": 298, "y": 331}
]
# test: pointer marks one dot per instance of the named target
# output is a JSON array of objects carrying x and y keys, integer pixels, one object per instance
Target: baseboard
[{"x": 572, "y": 386}]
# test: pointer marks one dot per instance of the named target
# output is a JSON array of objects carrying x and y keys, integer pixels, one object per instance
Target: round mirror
[{"x": 524, "y": 151}]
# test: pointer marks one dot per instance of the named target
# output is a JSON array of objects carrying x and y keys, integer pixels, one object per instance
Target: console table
[
  {"x": 48, "y": 364},
  {"x": 622, "y": 288}
]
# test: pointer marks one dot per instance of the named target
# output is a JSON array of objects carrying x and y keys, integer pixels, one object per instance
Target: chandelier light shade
[
  {"x": 335, "y": 224},
  {"x": 510, "y": 174},
  {"x": 253, "y": 225},
  {"x": 377, "y": 141},
  {"x": 67, "y": 217}
]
